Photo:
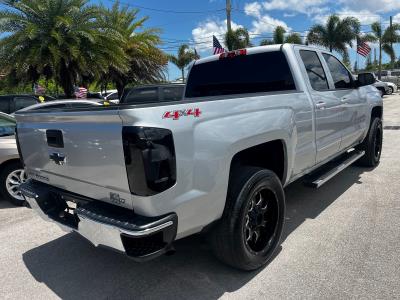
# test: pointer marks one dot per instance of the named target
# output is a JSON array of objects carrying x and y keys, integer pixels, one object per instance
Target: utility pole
[
  {"x": 391, "y": 42},
  {"x": 228, "y": 15}
]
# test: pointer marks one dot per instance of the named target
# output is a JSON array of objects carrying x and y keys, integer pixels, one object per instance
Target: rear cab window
[
  {"x": 142, "y": 95},
  {"x": 173, "y": 93},
  {"x": 22, "y": 102},
  {"x": 243, "y": 74}
]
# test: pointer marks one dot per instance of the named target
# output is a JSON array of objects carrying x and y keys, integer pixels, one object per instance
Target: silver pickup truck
[{"x": 135, "y": 178}]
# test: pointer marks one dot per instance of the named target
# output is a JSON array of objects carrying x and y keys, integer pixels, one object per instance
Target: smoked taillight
[{"x": 149, "y": 159}]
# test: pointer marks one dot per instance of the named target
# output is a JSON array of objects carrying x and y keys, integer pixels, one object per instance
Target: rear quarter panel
[{"x": 205, "y": 146}]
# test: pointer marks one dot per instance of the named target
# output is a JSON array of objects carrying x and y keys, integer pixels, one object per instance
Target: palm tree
[
  {"x": 183, "y": 59},
  {"x": 57, "y": 38},
  {"x": 279, "y": 37},
  {"x": 146, "y": 62},
  {"x": 294, "y": 38},
  {"x": 385, "y": 38},
  {"x": 336, "y": 34},
  {"x": 237, "y": 39}
]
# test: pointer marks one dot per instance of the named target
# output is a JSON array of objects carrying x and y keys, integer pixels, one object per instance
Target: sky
[{"x": 194, "y": 22}]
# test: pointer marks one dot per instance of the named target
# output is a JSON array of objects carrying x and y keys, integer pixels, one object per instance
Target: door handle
[
  {"x": 320, "y": 105},
  {"x": 344, "y": 100}
]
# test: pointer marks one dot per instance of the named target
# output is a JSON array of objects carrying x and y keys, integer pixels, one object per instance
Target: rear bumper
[{"x": 141, "y": 238}]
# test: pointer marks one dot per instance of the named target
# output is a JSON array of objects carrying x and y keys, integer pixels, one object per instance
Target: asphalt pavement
[{"x": 341, "y": 241}]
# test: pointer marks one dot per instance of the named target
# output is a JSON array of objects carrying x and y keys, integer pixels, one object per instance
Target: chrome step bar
[{"x": 330, "y": 173}]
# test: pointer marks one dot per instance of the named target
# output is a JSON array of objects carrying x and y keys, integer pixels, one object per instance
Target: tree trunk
[
  {"x": 120, "y": 88},
  {"x": 330, "y": 49},
  {"x": 66, "y": 81},
  {"x": 380, "y": 60},
  {"x": 183, "y": 74}
]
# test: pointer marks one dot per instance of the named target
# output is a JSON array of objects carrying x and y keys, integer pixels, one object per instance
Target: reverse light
[{"x": 233, "y": 53}]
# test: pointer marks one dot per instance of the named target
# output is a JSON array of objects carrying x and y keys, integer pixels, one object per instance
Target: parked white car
[
  {"x": 383, "y": 87},
  {"x": 12, "y": 173},
  {"x": 392, "y": 88}
]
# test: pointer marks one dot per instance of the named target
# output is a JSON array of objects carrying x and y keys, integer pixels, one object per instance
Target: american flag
[
  {"x": 363, "y": 48},
  {"x": 80, "y": 92},
  {"x": 217, "y": 48}
]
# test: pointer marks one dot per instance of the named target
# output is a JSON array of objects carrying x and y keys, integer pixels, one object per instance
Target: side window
[
  {"x": 112, "y": 96},
  {"x": 5, "y": 105},
  {"x": 7, "y": 126},
  {"x": 173, "y": 93},
  {"x": 22, "y": 102},
  {"x": 315, "y": 71},
  {"x": 143, "y": 95},
  {"x": 341, "y": 77},
  {"x": 50, "y": 106}
]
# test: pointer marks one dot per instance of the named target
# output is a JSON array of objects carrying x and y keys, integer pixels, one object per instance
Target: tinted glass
[
  {"x": 264, "y": 72},
  {"x": 50, "y": 106},
  {"x": 112, "y": 96},
  {"x": 143, "y": 95},
  {"x": 315, "y": 71},
  {"x": 395, "y": 73},
  {"x": 173, "y": 93},
  {"x": 5, "y": 104},
  {"x": 341, "y": 77},
  {"x": 22, "y": 102},
  {"x": 7, "y": 126},
  {"x": 76, "y": 105}
]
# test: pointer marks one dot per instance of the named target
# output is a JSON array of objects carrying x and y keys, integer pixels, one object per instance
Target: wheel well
[
  {"x": 376, "y": 112},
  {"x": 270, "y": 155},
  {"x": 8, "y": 162}
]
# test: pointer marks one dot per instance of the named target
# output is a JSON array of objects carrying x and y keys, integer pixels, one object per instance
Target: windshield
[{"x": 7, "y": 126}]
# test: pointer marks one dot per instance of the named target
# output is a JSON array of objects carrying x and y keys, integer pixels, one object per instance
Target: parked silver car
[
  {"x": 11, "y": 170},
  {"x": 382, "y": 87},
  {"x": 392, "y": 88}
]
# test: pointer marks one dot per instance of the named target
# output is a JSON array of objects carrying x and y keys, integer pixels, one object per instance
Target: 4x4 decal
[{"x": 176, "y": 114}]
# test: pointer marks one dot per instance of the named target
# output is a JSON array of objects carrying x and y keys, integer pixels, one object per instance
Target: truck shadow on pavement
[
  {"x": 5, "y": 204},
  {"x": 72, "y": 268}
]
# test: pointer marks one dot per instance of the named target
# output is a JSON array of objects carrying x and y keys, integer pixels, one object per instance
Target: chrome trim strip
[{"x": 128, "y": 232}]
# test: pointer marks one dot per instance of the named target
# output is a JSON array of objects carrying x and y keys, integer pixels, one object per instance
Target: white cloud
[
  {"x": 301, "y": 6},
  {"x": 253, "y": 9},
  {"x": 291, "y": 15},
  {"x": 202, "y": 34},
  {"x": 263, "y": 23},
  {"x": 396, "y": 18},
  {"x": 267, "y": 24},
  {"x": 364, "y": 16},
  {"x": 382, "y": 6}
]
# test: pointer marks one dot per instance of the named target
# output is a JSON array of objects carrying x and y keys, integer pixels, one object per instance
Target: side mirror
[{"x": 365, "y": 79}]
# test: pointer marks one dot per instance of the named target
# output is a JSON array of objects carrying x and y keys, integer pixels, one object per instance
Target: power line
[{"x": 168, "y": 10}]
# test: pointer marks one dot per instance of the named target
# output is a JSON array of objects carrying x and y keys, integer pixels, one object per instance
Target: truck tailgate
[{"x": 78, "y": 151}]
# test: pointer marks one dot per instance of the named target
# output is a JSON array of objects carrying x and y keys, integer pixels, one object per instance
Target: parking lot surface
[{"x": 340, "y": 241}]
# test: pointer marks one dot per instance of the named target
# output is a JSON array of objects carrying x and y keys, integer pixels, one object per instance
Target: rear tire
[
  {"x": 248, "y": 234},
  {"x": 11, "y": 176},
  {"x": 372, "y": 145},
  {"x": 391, "y": 90}
]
